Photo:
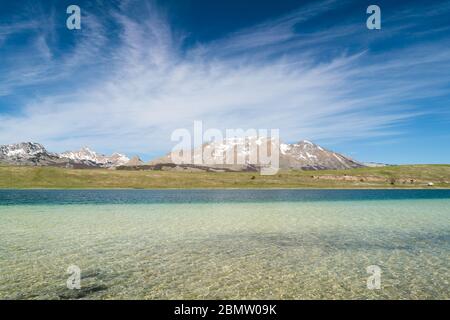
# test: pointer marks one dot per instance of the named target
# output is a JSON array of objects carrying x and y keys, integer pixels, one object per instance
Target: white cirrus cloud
[{"x": 130, "y": 94}]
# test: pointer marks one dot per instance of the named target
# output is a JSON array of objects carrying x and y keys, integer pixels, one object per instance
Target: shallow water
[{"x": 224, "y": 244}]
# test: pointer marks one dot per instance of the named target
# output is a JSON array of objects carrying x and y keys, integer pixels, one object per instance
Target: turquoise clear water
[{"x": 225, "y": 244}]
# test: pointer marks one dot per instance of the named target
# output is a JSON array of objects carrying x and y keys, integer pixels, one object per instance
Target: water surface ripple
[{"x": 238, "y": 244}]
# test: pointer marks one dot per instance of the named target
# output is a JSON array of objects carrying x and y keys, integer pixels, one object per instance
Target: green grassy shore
[{"x": 405, "y": 176}]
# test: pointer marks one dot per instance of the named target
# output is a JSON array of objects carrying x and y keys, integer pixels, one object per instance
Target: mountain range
[
  {"x": 304, "y": 155},
  {"x": 34, "y": 154}
]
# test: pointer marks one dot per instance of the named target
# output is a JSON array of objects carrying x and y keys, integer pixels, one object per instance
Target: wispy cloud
[{"x": 129, "y": 93}]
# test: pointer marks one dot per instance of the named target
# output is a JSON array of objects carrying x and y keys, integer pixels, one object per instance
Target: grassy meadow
[{"x": 405, "y": 176}]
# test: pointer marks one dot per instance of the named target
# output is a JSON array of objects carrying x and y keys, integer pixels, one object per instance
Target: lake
[{"x": 225, "y": 244}]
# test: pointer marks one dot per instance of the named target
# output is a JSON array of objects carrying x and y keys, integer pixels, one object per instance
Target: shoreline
[{"x": 225, "y": 188}]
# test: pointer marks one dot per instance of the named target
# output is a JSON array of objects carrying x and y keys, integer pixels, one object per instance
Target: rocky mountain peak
[
  {"x": 26, "y": 153},
  {"x": 308, "y": 155},
  {"x": 135, "y": 161},
  {"x": 304, "y": 155},
  {"x": 22, "y": 149},
  {"x": 89, "y": 157},
  {"x": 31, "y": 153}
]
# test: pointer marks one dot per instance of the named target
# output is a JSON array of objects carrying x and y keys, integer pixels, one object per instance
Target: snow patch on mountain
[
  {"x": 27, "y": 153},
  {"x": 302, "y": 155},
  {"x": 31, "y": 153},
  {"x": 88, "y": 156}
]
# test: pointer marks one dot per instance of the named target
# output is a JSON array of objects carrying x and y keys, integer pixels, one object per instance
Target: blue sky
[{"x": 137, "y": 70}]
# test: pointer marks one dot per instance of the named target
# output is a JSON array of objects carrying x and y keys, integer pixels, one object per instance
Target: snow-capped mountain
[
  {"x": 21, "y": 150},
  {"x": 27, "y": 153},
  {"x": 307, "y": 155},
  {"x": 302, "y": 155},
  {"x": 90, "y": 157},
  {"x": 30, "y": 153},
  {"x": 235, "y": 154}
]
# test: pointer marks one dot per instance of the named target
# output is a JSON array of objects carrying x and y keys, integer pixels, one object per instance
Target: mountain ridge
[
  {"x": 35, "y": 154},
  {"x": 90, "y": 157},
  {"x": 303, "y": 155}
]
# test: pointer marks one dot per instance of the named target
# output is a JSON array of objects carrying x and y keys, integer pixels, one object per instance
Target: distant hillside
[{"x": 418, "y": 176}]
